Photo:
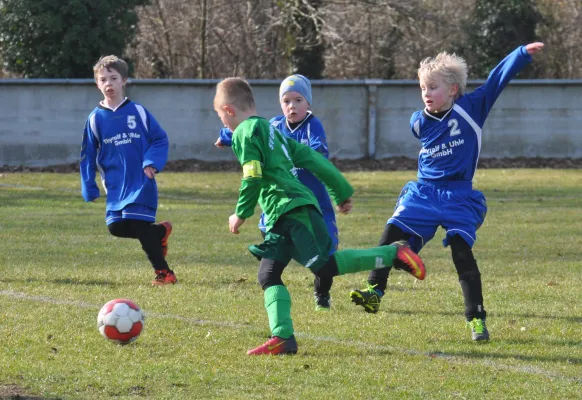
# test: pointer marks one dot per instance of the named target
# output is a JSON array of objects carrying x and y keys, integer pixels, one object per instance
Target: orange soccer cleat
[
  {"x": 275, "y": 345},
  {"x": 164, "y": 277},
  {"x": 408, "y": 260}
]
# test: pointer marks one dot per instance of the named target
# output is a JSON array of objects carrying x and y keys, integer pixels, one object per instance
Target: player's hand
[
  {"x": 149, "y": 171},
  {"x": 219, "y": 143},
  {"x": 345, "y": 207},
  {"x": 234, "y": 222},
  {"x": 534, "y": 48}
]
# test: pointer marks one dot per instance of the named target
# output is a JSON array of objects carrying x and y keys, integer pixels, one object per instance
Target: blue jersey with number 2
[{"x": 451, "y": 144}]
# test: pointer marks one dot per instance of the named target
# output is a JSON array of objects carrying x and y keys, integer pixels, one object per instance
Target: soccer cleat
[
  {"x": 407, "y": 260},
  {"x": 168, "y": 226},
  {"x": 368, "y": 298},
  {"x": 322, "y": 302},
  {"x": 275, "y": 345},
  {"x": 164, "y": 277},
  {"x": 478, "y": 329}
]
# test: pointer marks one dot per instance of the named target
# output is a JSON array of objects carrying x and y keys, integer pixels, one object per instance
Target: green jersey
[{"x": 270, "y": 161}]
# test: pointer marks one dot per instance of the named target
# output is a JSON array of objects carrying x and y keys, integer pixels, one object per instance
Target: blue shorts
[
  {"x": 424, "y": 206},
  {"x": 131, "y": 211}
]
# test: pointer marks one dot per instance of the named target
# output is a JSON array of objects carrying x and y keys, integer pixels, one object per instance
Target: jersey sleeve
[
  {"x": 248, "y": 151},
  {"x": 88, "y": 163},
  {"x": 484, "y": 97},
  {"x": 316, "y": 135},
  {"x": 305, "y": 157},
  {"x": 415, "y": 124},
  {"x": 157, "y": 153},
  {"x": 225, "y": 137}
]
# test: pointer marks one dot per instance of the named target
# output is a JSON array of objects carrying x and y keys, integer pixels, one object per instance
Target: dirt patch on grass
[
  {"x": 363, "y": 164},
  {"x": 15, "y": 392}
]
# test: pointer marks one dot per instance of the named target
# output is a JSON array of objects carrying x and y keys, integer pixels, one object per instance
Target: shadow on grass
[
  {"x": 508, "y": 356},
  {"x": 491, "y": 316}
]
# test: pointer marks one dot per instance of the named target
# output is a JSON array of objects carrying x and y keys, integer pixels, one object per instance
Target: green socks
[
  {"x": 350, "y": 261},
  {"x": 278, "y": 306}
]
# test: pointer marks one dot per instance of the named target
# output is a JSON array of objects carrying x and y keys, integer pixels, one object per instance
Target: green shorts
[{"x": 300, "y": 234}]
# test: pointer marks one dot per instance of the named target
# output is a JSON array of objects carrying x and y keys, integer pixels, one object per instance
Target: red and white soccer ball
[{"x": 121, "y": 321}]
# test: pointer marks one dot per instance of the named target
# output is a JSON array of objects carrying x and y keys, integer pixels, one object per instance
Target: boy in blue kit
[
  {"x": 127, "y": 145},
  {"x": 299, "y": 123},
  {"x": 449, "y": 129}
]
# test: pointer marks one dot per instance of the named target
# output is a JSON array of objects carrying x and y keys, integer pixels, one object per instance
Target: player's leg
[
  {"x": 322, "y": 286},
  {"x": 137, "y": 222},
  {"x": 273, "y": 255},
  {"x": 312, "y": 245},
  {"x": 148, "y": 235},
  {"x": 470, "y": 280},
  {"x": 370, "y": 297},
  {"x": 465, "y": 213},
  {"x": 414, "y": 220}
]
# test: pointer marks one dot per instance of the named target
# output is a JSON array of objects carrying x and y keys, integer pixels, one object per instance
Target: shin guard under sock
[
  {"x": 278, "y": 306},
  {"x": 350, "y": 261}
]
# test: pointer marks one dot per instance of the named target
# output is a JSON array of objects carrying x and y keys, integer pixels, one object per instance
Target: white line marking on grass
[{"x": 528, "y": 369}]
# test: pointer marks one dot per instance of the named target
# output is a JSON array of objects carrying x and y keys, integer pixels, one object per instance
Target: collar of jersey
[
  {"x": 429, "y": 115},
  {"x": 309, "y": 114}
]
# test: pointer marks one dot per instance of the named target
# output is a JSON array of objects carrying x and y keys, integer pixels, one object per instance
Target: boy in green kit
[{"x": 295, "y": 228}]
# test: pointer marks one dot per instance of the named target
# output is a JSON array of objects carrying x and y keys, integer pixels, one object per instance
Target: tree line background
[{"x": 270, "y": 39}]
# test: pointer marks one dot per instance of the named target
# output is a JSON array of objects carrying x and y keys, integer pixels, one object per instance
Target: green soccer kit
[{"x": 294, "y": 223}]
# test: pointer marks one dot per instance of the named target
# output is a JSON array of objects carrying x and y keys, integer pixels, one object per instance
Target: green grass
[{"x": 59, "y": 265}]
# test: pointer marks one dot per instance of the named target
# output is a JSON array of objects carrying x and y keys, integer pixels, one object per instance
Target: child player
[
  {"x": 127, "y": 145},
  {"x": 449, "y": 129},
  {"x": 295, "y": 228},
  {"x": 299, "y": 123}
]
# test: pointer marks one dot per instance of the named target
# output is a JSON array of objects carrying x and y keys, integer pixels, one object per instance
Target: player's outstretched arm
[{"x": 534, "y": 48}]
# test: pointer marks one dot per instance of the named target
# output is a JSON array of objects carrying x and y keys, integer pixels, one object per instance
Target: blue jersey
[
  {"x": 451, "y": 144},
  {"x": 119, "y": 144}
]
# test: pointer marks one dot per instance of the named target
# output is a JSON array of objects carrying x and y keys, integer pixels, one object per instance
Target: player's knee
[
  {"x": 268, "y": 279},
  {"x": 270, "y": 273},
  {"x": 469, "y": 275},
  {"x": 463, "y": 258},
  {"x": 328, "y": 270},
  {"x": 116, "y": 229}
]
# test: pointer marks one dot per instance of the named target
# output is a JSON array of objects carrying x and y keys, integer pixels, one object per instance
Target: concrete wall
[{"x": 41, "y": 121}]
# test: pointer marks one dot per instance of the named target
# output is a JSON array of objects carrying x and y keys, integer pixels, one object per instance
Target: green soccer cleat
[
  {"x": 322, "y": 302},
  {"x": 478, "y": 329},
  {"x": 368, "y": 298}
]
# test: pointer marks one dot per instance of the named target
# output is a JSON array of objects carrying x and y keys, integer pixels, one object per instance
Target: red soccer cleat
[
  {"x": 164, "y": 277},
  {"x": 275, "y": 345},
  {"x": 408, "y": 260},
  {"x": 168, "y": 227}
]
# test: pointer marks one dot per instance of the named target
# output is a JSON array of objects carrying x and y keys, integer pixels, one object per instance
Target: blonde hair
[
  {"x": 235, "y": 91},
  {"x": 111, "y": 63},
  {"x": 452, "y": 68}
]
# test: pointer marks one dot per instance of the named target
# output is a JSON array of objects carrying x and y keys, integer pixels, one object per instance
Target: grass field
[{"x": 59, "y": 265}]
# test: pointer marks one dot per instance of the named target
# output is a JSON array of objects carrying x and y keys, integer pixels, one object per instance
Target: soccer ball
[{"x": 120, "y": 321}]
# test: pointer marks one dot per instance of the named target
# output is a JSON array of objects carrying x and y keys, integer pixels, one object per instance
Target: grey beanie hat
[{"x": 296, "y": 83}]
